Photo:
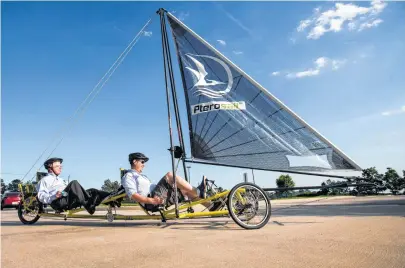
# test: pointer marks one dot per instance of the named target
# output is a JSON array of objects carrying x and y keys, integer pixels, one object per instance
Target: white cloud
[
  {"x": 352, "y": 26},
  {"x": 369, "y": 24},
  {"x": 183, "y": 15},
  {"x": 148, "y": 34},
  {"x": 275, "y": 73},
  {"x": 336, "y": 64},
  {"x": 310, "y": 72},
  {"x": 237, "y": 52},
  {"x": 303, "y": 24},
  {"x": 394, "y": 112},
  {"x": 320, "y": 64},
  {"x": 341, "y": 15},
  {"x": 222, "y": 42},
  {"x": 292, "y": 40}
]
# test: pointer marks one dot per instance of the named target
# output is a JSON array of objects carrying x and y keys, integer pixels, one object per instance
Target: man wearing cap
[
  {"x": 139, "y": 188},
  {"x": 53, "y": 190}
]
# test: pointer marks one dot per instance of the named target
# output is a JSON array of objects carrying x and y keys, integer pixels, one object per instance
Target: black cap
[
  {"x": 50, "y": 161},
  {"x": 137, "y": 156}
]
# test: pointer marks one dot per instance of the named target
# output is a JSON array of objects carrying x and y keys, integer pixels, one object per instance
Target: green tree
[
  {"x": 284, "y": 181},
  {"x": 110, "y": 186},
  {"x": 13, "y": 185},
  {"x": 3, "y": 186},
  {"x": 393, "y": 181},
  {"x": 335, "y": 191},
  {"x": 325, "y": 190},
  {"x": 371, "y": 175}
]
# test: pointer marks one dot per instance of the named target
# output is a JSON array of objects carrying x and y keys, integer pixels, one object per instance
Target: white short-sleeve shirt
[{"x": 134, "y": 182}]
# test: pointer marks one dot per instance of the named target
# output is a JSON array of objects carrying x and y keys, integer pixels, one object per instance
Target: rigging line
[
  {"x": 122, "y": 55},
  {"x": 98, "y": 91}
]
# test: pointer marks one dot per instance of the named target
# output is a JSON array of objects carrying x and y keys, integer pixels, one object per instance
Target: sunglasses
[{"x": 142, "y": 161}]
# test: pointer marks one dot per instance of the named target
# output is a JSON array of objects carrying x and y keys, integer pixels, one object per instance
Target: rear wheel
[
  {"x": 249, "y": 206},
  {"x": 28, "y": 210}
]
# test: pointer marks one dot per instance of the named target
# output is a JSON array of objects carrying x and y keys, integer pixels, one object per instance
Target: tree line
[
  {"x": 12, "y": 186},
  {"x": 389, "y": 181}
]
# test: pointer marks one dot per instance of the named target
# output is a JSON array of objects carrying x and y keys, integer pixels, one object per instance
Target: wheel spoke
[{"x": 249, "y": 206}]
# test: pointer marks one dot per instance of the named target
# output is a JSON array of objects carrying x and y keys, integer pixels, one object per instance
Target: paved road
[{"x": 332, "y": 232}]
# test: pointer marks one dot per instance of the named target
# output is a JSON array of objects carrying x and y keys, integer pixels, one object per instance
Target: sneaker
[{"x": 203, "y": 188}]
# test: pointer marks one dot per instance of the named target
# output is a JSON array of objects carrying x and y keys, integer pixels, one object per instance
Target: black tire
[
  {"x": 255, "y": 205},
  {"x": 33, "y": 207}
]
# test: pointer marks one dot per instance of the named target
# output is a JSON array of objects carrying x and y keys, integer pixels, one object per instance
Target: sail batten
[{"x": 233, "y": 120}]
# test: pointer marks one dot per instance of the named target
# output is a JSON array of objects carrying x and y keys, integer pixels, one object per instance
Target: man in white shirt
[
  {"x": 139, "y": 188},
  {"x": 53, "y": 190}
]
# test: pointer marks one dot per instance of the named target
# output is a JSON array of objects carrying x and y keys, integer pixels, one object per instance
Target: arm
[
  {"x": 128, "y": 182},
  {"x": 43, "y": 193},
  {"x": 146, "y": 200}
]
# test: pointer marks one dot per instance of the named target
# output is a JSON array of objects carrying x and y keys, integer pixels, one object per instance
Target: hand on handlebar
[{"x": 156, "y": 200}]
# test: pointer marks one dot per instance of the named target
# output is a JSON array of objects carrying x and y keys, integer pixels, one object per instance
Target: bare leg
[
  {"x": 185, "y": 188},
  {"x": 183, "y": 185}
]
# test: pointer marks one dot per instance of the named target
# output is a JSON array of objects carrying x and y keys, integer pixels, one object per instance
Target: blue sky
[{"x": 338, "y": 65}]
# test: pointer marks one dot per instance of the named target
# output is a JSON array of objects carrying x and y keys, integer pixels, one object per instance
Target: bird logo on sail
[{"x": 204, "y": 85}]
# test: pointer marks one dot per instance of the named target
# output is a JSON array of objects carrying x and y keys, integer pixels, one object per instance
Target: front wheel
[
  {"x": 249, "y": 206},
  {"x": 28, "y": 210}
]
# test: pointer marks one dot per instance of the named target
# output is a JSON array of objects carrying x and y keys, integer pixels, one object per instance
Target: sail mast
[
  {"x": 166, "y": 70},
  {"x": 181, "y": 151}
]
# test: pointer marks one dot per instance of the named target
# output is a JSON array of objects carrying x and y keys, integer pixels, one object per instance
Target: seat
[{"x": 114, "y": 202}]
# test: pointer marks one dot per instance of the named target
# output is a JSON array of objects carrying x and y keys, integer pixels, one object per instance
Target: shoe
[
  {"x": 203, "y": 188},
  {"x": 90, "y": 209}
]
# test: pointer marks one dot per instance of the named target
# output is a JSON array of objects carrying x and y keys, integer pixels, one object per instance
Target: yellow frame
[{"x": 167, "y": 214}]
